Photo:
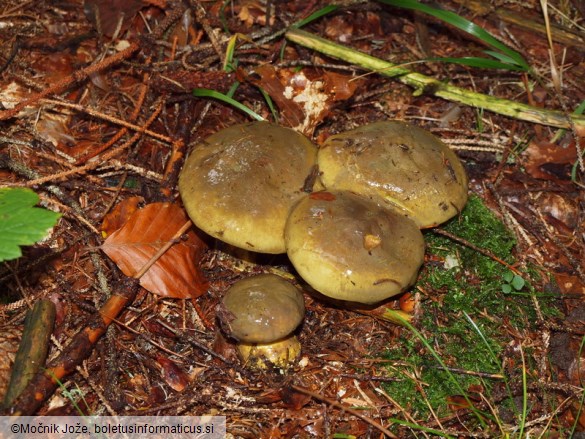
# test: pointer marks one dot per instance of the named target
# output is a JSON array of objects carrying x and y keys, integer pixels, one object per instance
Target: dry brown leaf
[
  {"x": 548, "y": 161},
  {"x": 120, "y": 214},
  {"x": 340, "y": 87},
  {"x": 303, "y": 102},
  {"x": 291, "y": 111},
  {"x": 108, "y": 15},
  {"x": 174, "y": 376},
  {"x": 176, "y": 273}
]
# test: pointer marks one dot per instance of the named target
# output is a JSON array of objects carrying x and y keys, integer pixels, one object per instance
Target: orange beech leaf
[
  {"x": 176, "y": 273},
  {"x": 340, "y": 87},
  {"x": 119, "y": 215}
]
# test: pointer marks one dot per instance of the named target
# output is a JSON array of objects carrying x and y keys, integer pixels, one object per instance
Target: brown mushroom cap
[
  {"x": 397, "y": 164},
  {"x": 261, "y": 309},
  {"x": 240, "y": 183},
  {"x": 349, "y": 248}
]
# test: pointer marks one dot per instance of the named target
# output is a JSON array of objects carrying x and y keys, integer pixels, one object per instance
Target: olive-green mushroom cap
[
  {"x": 261, "y": 309},
  {"x": 397, "y": 164},
  {"x": 239, "y": 184},
  {"x": 347, "y": 247}
]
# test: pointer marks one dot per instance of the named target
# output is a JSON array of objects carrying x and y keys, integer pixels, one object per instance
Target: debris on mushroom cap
[
  {"x": 261, "y": 309},
  {"x": 397, "y": 164},
  {"x": 239, "y": 184},
  {"x": 349, "y": 248},
  {"x": 280, "y": 354}
]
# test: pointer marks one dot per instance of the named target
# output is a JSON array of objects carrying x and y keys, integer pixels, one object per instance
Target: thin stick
[
  {"x": 347, "y": 409},
  {"x": 162, "y": 250},
  {"x": 106, "y": 117},
  {"x": 66, "y": 82},
  {"x": 483, "y": 251}
]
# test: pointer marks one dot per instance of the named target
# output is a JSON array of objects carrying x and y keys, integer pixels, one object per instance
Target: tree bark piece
[{"x": 33, "y": 349}]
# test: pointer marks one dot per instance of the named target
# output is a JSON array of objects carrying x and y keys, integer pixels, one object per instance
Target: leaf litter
[{"x": 526, "y": 182}]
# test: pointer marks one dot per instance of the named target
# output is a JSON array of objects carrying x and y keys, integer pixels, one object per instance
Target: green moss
[{"x": 467, "y": 318}]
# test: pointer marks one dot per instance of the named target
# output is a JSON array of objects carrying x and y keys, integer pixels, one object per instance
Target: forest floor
[{"x": 97, "y": 115}]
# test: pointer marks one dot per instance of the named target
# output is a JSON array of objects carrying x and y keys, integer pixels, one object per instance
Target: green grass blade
[
  {"x": 479, "y": 414},
  {"x": 493, "y": 355},
  {"x": 206, "y": 93},
  {"x": 581, "y": 402},
  {"x": 270, "y": 104},
  {"x": 524, "y": 415},
  {"x": 500, "y": 56},
  {"x": 421, "y": 428},
  {"x": 315, "y": 15},
  {"x": 465, "y": 25},
  {"x": 232, "y": 90},
  {"x": 483, "y": 63},
  {"x": 494, "y": 358},
  {"x": 580, "y": 109}
]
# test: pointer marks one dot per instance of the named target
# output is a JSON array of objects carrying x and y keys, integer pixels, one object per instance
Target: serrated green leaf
[{"x": 20, "y": 222}]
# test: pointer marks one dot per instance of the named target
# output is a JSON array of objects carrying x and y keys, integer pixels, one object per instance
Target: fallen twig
[
  {"x": 42, "y": 386},
  {"x": 340, "y": 406},
  {"x": 68, "y": 81},
  {"x": 427, "y": 85}
]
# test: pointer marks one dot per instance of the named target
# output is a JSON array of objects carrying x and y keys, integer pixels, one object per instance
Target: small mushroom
[
  {"x": 349, "y": 248},
  {"x": 399, "y": 165},
  {"x": 261, "y": 313},
  {"x": 239, "y": 184}
]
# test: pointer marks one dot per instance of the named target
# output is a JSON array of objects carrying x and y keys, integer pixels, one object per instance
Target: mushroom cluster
[{"x": 352, "y": 229}]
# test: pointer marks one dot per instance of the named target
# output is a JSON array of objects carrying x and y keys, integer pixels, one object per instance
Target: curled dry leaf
[
  {"x": 291, "y": 111},
  {"x": 176, "y": 273}
]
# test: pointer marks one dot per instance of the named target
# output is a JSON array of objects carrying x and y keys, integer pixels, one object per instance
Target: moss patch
[{"x": 467, "y": 319}]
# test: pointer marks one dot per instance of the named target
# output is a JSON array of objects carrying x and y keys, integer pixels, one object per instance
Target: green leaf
[
  {"x": 506, "y": 289},
  {"x": 20, "y": 222},
  {"x": 508, "y": 276},
  {"x": 518, "y": 283}
]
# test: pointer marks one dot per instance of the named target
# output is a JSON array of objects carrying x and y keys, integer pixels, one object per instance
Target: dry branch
[
  {"x": 74, "y": 78},
  {"x": 43, "y": 384}
]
